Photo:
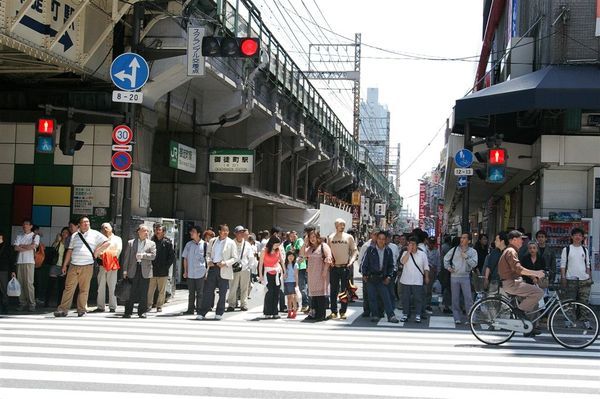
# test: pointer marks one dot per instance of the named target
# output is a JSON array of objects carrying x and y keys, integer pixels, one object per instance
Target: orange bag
[
  {"x": 110, "y": 262},
  {"x": 40, "y": 255}
]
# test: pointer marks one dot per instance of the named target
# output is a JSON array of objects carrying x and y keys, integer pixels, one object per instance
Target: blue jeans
[
  {"x": 303, "y": 286},
  {"x": 458, "y": 285},
  {"x": 377, "y": 288}
]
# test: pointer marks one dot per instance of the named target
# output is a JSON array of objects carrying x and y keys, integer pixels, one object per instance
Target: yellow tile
[{"x": 57, "y": 196}]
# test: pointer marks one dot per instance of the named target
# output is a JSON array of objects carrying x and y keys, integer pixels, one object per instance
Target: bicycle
[{"x": 574, "y": 325}]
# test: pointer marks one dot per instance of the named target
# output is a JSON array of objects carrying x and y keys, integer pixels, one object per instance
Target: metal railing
[{"x": 243, "y": 18}]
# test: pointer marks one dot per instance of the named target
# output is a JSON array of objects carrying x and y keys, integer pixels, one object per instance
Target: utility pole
[
  {"x": 138, "y": 17},
  {"x": 465, "y": 225},
  {"x": 353, "y": 75},
  {"x": 356, "y": 89}
]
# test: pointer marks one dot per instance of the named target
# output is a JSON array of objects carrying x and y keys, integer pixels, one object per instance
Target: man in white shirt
[
  {"x": 241, "y": 270},
  {"x": 575, "y": 266},
  {"x": 222, "y": 254},
  {"x": 108, "y": 277},
  {"x": 194, "y": 269},
  {"x": 25, "y": 245},
  {"x": 415, "y": 272},
  {"x": 459, "y": 261},
  {"x": 79, "y": 259}
]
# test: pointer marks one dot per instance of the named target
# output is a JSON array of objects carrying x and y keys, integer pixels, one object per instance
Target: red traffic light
[
  {"x": 497, "y": 156},
  {"x": 45, "y": 126},
  {"x": 234, "y": 47},
  {"x": 249, "y": 47}
]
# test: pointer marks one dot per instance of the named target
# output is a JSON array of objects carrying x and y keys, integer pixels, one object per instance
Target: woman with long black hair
[{"x": 270, "y": 271}]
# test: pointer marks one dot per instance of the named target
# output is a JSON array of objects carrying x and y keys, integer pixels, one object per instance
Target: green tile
[
  {"x": 24, "y": 174},
  {"x": 63, "y": 175},
  {"x": 43, "y": 159},
  {"x": 5, "y": 195},
  {"x": 57, "y": 175},
  {"x": 6, "y": 210}
]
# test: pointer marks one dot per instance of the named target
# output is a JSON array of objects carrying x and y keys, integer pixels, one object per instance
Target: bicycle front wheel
[
  {"x": 574, "y": 325},
  {"x": 484, "y": 318}
]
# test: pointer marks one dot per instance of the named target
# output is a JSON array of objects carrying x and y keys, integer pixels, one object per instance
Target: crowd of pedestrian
[{"x": 304, "y": 273}]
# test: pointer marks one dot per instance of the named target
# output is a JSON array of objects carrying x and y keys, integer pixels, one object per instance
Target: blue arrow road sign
[
  {"x": 462, "y": 182},
  {"x": 129, "y": 71},
  {"x": 463, "y": 158}
]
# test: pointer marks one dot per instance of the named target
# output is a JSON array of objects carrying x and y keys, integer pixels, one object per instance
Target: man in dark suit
[{"x": 139, "y": 254}]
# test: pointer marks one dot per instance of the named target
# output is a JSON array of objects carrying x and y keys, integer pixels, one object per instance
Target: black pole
[
  {"x": 138, "y": 17},
  {"x": 465, "y": 225}
]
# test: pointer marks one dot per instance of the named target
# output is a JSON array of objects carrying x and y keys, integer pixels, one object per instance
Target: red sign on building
[{"x": 422, "y": 205}]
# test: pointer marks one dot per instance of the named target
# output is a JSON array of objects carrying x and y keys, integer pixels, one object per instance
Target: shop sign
[{"x": 356, "y": 198}]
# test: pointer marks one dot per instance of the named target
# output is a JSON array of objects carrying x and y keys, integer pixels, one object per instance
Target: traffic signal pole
[
  {"x": 465, "y": 226},
  {"x": 138, "y": 16}
]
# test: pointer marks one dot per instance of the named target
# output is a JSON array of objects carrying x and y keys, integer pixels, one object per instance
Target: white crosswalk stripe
[{"x": 175, "y": 357}]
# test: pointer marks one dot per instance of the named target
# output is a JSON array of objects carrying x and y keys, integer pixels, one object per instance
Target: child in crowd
[{"x": 290, "y": 283}]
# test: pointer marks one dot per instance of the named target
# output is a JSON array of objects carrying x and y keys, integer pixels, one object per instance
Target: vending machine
[{"x": 559, "y": 235}]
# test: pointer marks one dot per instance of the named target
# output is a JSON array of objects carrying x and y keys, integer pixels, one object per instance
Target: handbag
[
  {"x": 123, "y": 289},
  {"x": 237, "y": 266},
  {"x": 97, "y": 262}
]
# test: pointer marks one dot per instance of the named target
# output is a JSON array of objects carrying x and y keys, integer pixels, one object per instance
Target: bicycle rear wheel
[
  {"x": 573, "y": 325},
  {"x": 483, "y": 317}
]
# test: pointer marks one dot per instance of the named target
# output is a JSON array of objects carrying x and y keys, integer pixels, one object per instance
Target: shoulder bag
[
  {"x": 97, "y": 262},
  {"x": 237, "y": 266},
  {"x": 418, "y": 268}
]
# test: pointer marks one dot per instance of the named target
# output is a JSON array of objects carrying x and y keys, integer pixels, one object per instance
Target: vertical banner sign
[
  {"x": 356, "y": 198},
  {"x": 597, "y": 17},
  {"x": 422, "y": 205},
  {"x": 355, "y": 216},
  {"x": 515, "y": 19},
  {"x": 439, "y": 223},
  {"x": 195, "y": 60}
]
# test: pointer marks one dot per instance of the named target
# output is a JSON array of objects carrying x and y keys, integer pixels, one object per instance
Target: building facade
[
  {"x": 537, "y": 95},
  {"x": 375, "y": 130}
]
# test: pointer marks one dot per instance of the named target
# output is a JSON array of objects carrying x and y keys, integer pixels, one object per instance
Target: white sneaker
[
  {"x": 200, "y": 317},
  {"x": 218, "y": 317}
]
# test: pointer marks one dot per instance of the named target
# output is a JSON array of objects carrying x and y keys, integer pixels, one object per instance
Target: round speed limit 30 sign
[{"x": 122, "y": 135}]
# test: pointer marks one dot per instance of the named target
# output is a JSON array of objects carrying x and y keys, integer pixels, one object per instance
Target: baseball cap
[{"x": 239, "y": 229}]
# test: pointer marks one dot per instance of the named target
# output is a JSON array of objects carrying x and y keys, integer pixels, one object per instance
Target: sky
[{"x": 419, "y": 93}]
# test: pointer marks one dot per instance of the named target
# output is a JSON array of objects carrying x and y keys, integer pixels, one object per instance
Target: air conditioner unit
[{"x": 590, "y": 122}]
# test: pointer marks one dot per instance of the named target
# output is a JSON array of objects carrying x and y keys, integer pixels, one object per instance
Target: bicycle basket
[{"x": 544, "y": 282}]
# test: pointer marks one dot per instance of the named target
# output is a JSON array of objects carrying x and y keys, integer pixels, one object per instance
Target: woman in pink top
[
  {"x": 271, "y": 269},
  {"x": 318, "y": 255}
]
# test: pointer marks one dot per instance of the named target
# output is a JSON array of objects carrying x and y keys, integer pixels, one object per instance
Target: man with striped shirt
[{"x": 79, "y": 259}]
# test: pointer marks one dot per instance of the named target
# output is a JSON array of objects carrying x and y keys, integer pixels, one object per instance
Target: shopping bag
[
  {"x": 298, "y": 296},
  {"x": 14, "y": 288},
  {"x": 110, "y": 262},
  {"x": 123, "y": 290},
  {"x": 258, "y": 289}
]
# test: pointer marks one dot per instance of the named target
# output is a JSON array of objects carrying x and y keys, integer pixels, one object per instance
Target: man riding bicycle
[{"x": 510, "y": 271}]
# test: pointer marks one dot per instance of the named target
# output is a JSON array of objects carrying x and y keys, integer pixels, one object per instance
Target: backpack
[
  {"x": 584, "y": 253},
  {"x": 40, "y": 255}
]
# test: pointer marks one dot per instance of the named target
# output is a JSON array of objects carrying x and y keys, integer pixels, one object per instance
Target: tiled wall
[{"x": 40, "y": 186}]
